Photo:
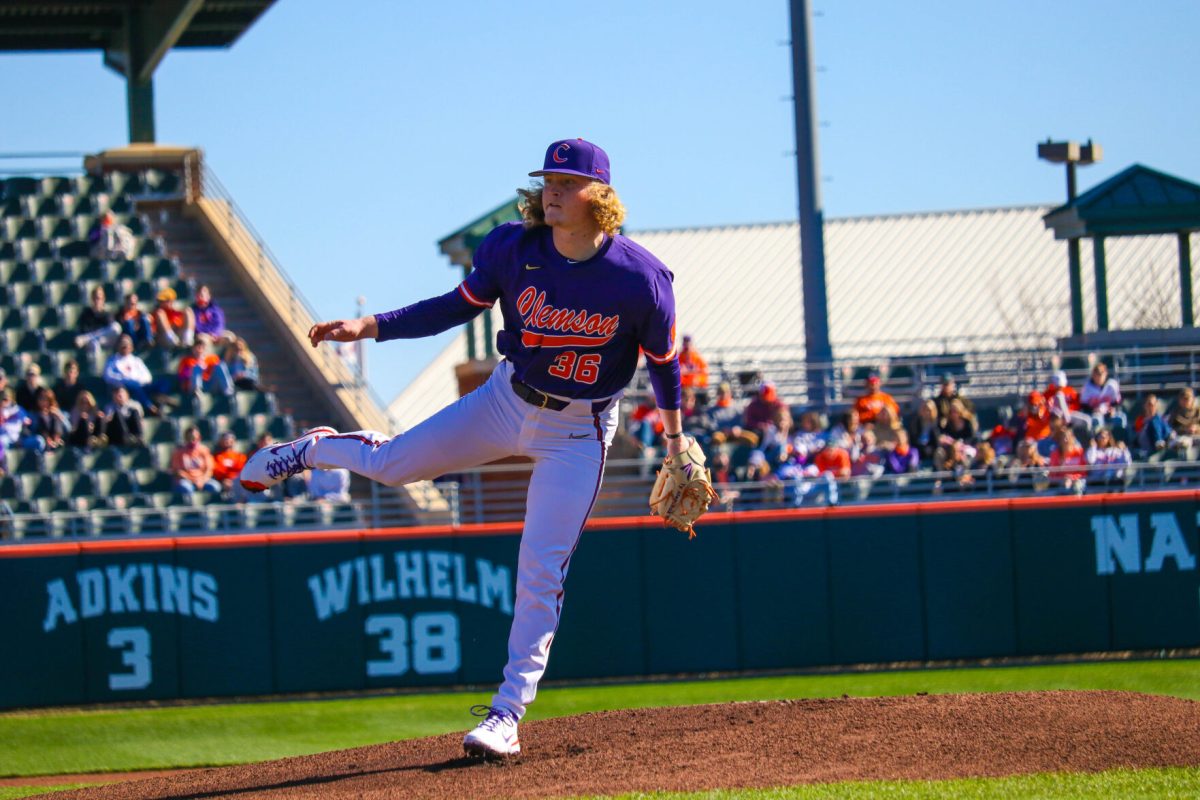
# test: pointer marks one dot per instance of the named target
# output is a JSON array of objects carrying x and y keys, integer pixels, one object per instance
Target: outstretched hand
[{"x": 343, "y": 330}]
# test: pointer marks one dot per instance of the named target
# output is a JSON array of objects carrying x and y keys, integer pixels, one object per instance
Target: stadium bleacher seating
[{"x": 46, "y": 274}]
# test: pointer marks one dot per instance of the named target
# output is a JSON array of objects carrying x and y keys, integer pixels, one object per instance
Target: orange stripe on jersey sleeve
[
  {"x": 472, "y": 299},
  {"x": 659, "y": 359}
]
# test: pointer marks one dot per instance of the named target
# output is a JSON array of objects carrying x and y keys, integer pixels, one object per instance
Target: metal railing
[
  {"x": 982, "y": 374},
  {"x": 497, "y": 494},
  {"x": 72, "y": 163},
  {"x": 272, "y": 276}
]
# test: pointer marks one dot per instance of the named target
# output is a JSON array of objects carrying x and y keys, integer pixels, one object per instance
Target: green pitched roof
[
  {"x": 1134, "y": 202},
  {"x": 461, "y": 244}
]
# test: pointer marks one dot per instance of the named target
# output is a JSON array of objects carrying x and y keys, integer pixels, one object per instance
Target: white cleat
[
  {"x": 495, "y": 737},
  {"x": 278, "y": 462}
]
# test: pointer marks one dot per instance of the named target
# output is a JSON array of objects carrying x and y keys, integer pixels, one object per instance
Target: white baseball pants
[{"x": 568, "y": 449}]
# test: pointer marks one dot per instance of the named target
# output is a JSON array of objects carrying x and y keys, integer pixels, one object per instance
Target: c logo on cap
[{"x": 562, "y": 148}]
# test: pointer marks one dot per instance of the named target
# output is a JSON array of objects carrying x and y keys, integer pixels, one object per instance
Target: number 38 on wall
[{"x": 434, "y": 648}]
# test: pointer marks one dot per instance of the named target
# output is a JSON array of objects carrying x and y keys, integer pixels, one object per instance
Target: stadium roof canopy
[
  {"x": 134, "y": 35},
  {"x": 100, "y": 25}
]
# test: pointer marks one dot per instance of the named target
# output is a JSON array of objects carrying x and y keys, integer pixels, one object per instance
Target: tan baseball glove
[{"x": 683, "y": 490}]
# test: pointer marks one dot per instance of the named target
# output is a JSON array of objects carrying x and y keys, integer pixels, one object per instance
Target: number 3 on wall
[
  {"x": 134, "y": 644},
  {"x": 572, "y": 366}
]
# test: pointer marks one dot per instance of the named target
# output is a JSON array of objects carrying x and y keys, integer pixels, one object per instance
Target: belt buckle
[{"x": 545, "y": 400}]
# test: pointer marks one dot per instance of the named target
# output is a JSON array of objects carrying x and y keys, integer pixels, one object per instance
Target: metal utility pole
[
  {"x": 818, "y": 353},
  {"x": 1072, "y": 153}
]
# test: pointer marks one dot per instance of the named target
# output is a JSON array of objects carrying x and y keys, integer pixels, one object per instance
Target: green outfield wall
[{"x": 209, "y": 616}]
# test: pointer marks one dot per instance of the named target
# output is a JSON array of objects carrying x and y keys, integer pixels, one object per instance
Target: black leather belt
[
  {"x": 540, "y": 399},
  {"x": 537, "y": 398}
]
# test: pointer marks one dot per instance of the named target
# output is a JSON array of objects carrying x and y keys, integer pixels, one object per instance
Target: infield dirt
[{"x": 754, "y": 744}]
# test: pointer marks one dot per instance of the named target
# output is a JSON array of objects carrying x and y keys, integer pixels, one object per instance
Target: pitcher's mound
[{"x": 735, "y": 745}]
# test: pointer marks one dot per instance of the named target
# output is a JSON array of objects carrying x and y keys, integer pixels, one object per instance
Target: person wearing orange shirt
[
  {"x": 174, "y": 327},
  {"x": 833, "y": 460},
  {"x": 202, "y": 370},
  {"x": 692, "y": 366},
  {"x": 869, "y": 404},
  {"x": 1034, "y": 420},
  {"x": 227, "y": 462}
]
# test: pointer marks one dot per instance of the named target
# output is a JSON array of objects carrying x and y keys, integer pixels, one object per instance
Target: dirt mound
[{"x": 736, "y": 745}]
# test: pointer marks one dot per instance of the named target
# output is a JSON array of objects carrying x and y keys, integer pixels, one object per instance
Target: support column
[
  {"x": 1098, "y": 262},
  {"x": 139, "y": 100},
  {"x": 1076, "y": 273},
  {"x": 817, "y": 349},
  {"x": 1185, "y": 277}
]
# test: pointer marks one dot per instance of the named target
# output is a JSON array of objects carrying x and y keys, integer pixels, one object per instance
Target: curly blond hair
[{"x": 607, "y": 209}]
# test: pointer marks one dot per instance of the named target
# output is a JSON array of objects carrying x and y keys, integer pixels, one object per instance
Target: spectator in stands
[
  {"x": 111, "y": 240},
  {"x": 174, "y": 327},
  {"x": 135, "y": 323},
  {"x": 227, "y": 463},
  {"x": 645, "y": 423},
  {"x": 1027, "y": 469},
  {"x": 97, "y": 326},
  {"x": 847, "y": 434},
  {"x": 764, "y": 409},
  {"x": 16, "y": 425},
  {"x": 1067, "y": 460},
  {"x": 727, "y": 418},
  {"x": 949, "y": 393},
  {"x": 3, "y": 381},
  {"x": 1101, "y": 398},
  {"x": 901, "y": 459},
  {"x": 923, "y": 431},
  {"x": 87, "y": 423},
  {"x": 123, "y": 419},
  {"x": 1109, "y": 458},
  {"x": 696, "y": 423},
  {"x": 1151, "y": 433},
  {"x": 720, "y": 466},
  {"x": 126, "y": 369},
  {"x": 868, "y": 462},
  {"x": 957, "y": 435},
  {"x": 329, "y": 485},
  {"x": 242, "y": 365},
  {"x": 68, "y": 387},
  {"x": 1184, "y": 420},
  {"x": 959, "y": 425},
  {"x": 759, "y": 471},
  {"x": 834, "y": 460},
  {"x": 808, "y": 438},
  {"x": 1033, "y": 420},
  {"x": 869, "y": 404},
  {"x": 48, "y": 420},
  {"x": 203, "y": 371},
  {"x": 1063, "y": 401},
  {"x": 692, "y": 366},
  {"x": 887, "y": 427},
  {"x": 192, "y": 467},
  {"x": 209, "y": 317},
  {"x": 27, "y": 389}
]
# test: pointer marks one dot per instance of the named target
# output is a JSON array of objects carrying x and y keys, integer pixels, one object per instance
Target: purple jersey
[{"x": 574, "y": 329}]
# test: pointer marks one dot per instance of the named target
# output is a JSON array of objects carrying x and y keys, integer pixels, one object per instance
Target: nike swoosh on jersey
[
  {"x": 580, "y": 436},
  {"x": 533, "y": 266}
]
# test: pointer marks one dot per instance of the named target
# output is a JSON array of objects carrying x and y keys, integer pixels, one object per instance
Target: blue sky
[{"x": 355, "y": 135}]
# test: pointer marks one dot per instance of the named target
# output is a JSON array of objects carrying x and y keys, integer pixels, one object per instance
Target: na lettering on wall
[
  {"x": 129, "y": 589},
  {"x": 1121, "y": 544},
  {"x": 406, "y": 575}
]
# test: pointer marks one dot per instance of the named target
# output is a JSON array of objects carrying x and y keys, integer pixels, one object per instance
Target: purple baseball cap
[{"x": 576, "y": 157}]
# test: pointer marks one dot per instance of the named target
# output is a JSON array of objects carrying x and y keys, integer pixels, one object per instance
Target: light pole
[{"x": 1072, "y": 153}]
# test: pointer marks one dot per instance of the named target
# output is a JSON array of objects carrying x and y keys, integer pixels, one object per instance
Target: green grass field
[{"x": 66, "y": 742}]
